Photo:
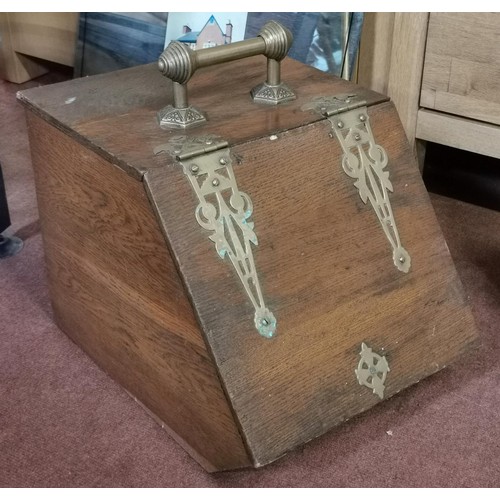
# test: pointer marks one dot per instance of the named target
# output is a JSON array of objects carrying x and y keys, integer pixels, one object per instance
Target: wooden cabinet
[
  {"x": 462, "y": 66},
  {"x": 30, "y": 38},
  {"x": 460, "y": 94},
  {"x": 442, "y": 72}
]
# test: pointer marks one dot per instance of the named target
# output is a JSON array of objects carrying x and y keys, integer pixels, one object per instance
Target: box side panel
[
  {"x": 327, "y": 273},
  {"x": 116, "y": 293}
]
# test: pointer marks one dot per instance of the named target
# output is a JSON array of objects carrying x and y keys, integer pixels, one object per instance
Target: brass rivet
[
  {"x": 208, "y": 141},
  {"x": 215, "y": 182},
  {"x": 348, "y": 100},
  {"x": 222, "y": 161},
  {"x": 357, "y": 137},
  {"x": 264, "y": 322},
  {"x": 362, "y": 118},
  {"x": 194, "y": 168},
  {"x": 340, "y": 124},
  {"x": 330, "y": 135},
  {"x": 401, "y": 259}
]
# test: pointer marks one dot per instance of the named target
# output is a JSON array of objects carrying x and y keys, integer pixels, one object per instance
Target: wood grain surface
[
  {"x": 407, "y": 62},
  {"x": 47, "y": 35},
  {"x": 15, "y": 67},
  {"x": 327, "y": 274},
  {"x": 375, "y": 51},
  {"x": 458, "y": 132},
  {"x": 391, "y": 60},
  {"x": 462, "y": 65},
  {"x": 116, "y": 293}
]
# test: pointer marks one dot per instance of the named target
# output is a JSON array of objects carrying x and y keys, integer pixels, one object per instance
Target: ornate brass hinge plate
[
  {"x": 223, "y": 210},
  {"x": 365, "y": 161}
]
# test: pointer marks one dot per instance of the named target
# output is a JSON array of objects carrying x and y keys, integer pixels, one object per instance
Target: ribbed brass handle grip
[{"x": 178, "y": 62}]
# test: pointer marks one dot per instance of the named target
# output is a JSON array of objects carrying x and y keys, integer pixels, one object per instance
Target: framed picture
[
  {"x": 201, "y": 30},
  {"x": 109, "y": 41}
]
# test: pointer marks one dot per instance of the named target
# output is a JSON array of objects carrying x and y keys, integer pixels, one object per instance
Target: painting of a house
[{"x": 210, "y": 35}]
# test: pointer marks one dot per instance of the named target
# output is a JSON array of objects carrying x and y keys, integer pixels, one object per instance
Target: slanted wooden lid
[
  {"x": 114, "y": 114},
  {"x": 327, "y": 274}
]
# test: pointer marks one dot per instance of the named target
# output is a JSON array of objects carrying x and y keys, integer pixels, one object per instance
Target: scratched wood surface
[
  {"x": 327, "y": 274},
  {"x": 324, "y": 263},
  {"x": 115, "y": 292}
]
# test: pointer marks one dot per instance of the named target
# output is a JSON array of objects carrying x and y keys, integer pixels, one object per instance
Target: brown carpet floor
[{"x": 63, "y": 422}]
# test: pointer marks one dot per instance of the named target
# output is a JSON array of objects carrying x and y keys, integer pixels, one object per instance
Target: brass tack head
[
  {"x": 264, "y": 322},
  {"x": 330, "y": 135},
  {"x": 401, "y": 259},
  {"x": 223, "y": 161},
  {"x": 348, "y": 100},
  {"x": 215, "y": 182},
  {"x": 357, "y": 137},
  {"x": 340, "y": 124},
  {"x": 362, "y": 118},
  {"x": 208, "y": 141},
  {"x": 194, "y": 168}
]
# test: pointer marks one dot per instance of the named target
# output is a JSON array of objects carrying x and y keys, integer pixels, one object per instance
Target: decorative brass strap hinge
[
  {"x": 223, "y": 210},
  {"x": 365, "y": 161}
]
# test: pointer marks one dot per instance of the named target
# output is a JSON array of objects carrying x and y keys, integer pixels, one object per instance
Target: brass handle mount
[{"x": 179, "y": 63}]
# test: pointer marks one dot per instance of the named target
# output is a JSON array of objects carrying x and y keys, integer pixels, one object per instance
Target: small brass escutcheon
[{"x": 372, "y": 370}]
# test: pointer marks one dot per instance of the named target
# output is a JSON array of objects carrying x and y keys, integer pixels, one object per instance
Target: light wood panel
[
  {"x": 391, "y": 61},
  {"x": 46, "y": 35},
  {"x": 15, "y": 67},
  {"x": 49, "y": 36},
  {"x": 462, "y": 65},
  {"x": 407, "y": 59},
  {"x": 375, "y": 51},
  {"x": 459, "y": 132}
]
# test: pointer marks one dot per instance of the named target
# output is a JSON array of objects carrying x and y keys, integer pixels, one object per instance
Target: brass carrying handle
[{"x": 178, "y": 62}]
